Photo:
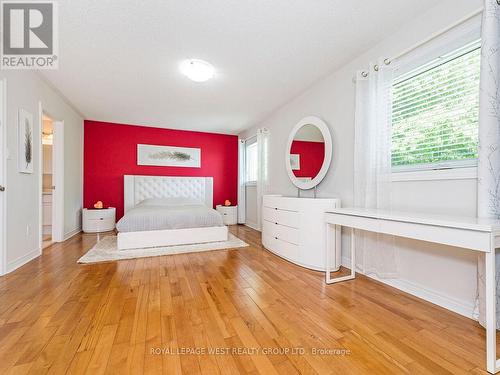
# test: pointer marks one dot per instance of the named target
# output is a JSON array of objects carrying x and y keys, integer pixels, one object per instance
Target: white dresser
[
  {"x": 229, "y": 214},
  {"x": 294, "y": 229},
  {"x": 94, "y": 221}
]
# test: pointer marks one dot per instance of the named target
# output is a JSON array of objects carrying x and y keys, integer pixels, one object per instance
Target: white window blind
[{"x": 435, "y": 111}]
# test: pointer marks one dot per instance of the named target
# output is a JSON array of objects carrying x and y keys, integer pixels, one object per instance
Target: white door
[
  {"x": 3, "y": 174},
  {"x": 58, "y": 182}
]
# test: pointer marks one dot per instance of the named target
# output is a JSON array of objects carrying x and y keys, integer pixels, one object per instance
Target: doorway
[
  {"x": 51, "y": 217},
  {"x": 47, "y": 179}
]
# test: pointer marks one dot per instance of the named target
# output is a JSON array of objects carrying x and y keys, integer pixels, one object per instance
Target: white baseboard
[
  {"x": 461, "y": 307},
  {"x": 71, "y": 233},
  {"x": 253, "y": 226},
  {"x": 22, "y": 260}
]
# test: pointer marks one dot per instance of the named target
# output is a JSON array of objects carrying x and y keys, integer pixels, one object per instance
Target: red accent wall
[
  {"x": 110, "y": 152},
  {"x": 311, "y": 157}
]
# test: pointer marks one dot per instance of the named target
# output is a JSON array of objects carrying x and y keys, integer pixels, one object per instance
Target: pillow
[{"x": 169, "y": 201}]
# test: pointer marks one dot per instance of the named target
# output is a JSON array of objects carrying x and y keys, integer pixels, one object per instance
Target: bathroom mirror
[{"x": 308, "y": 152}]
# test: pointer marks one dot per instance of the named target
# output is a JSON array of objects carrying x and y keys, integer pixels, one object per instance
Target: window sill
[{"x": 468, "y": 173}]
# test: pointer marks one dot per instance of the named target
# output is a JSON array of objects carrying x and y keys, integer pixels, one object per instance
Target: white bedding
[{"x": 161, "y": 214}]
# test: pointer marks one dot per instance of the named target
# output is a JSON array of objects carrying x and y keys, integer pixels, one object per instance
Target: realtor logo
[{"x": 29, "y": 35}]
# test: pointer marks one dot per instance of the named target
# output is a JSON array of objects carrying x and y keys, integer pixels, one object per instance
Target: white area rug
[{"x": 106, "y": 250}]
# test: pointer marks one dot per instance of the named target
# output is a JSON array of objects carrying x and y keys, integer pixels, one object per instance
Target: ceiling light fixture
[{"x": 197, "y": 70}]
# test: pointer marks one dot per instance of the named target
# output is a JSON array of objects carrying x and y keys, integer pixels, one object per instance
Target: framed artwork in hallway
[{"x": 25, "y": 142}]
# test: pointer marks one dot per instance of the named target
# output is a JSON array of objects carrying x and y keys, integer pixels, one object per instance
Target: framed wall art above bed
[{"x": 168, "y": 156}]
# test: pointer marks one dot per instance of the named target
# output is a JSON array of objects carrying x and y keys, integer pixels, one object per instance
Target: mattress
[{"x": 175, "y": 216}]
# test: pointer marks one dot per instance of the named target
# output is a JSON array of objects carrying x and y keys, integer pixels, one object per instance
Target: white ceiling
[{"x": 119, "y": 58}]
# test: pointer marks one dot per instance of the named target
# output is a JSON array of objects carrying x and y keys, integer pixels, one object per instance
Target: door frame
[
  {"x": 58, "y": 182},
  {"x": 3, "y": 176},
  {"x": 57, "y": 177}
]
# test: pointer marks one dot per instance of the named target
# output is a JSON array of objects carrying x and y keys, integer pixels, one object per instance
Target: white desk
[{"x": 473, "y": 234}]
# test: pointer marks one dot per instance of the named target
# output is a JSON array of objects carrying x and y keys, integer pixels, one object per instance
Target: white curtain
[
  {"x": 375, "y": 253},
  {"x": 488, "y": 186},
  {"x": 241, "y": 181},
  {"x": 262, "y": 170}
]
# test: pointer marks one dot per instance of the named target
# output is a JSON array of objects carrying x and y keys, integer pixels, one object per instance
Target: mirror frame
[{"x": 321, "y": 125}]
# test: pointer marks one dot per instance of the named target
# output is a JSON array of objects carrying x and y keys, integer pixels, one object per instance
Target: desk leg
[
  {"x": 352, "y": 275},
  {"x": 327, "y": 254},
  {"x": 491, "y": 327}
]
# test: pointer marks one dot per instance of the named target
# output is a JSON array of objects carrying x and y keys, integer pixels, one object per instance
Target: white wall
[
  {"x": 24, "y": 90},
  {"x": 446, "y": 276}
]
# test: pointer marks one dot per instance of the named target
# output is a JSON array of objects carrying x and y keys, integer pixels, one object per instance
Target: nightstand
[
  {"x": 98, "y": 220},
  {"x": 229, "y": 214}
]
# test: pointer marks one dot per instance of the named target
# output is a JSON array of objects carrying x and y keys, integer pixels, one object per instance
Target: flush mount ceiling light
[{"x": 197, "y": 70}]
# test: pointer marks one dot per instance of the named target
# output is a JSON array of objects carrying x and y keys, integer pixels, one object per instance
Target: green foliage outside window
[{"x": 435, "y": 113}]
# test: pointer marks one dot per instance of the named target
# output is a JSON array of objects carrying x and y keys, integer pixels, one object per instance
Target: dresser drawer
[
  {"x": 282, "y": 248},
  {"x": 281, "y": 232},
  {"x": 280, "y": 203},
  {"x": 276, "y": 215}
]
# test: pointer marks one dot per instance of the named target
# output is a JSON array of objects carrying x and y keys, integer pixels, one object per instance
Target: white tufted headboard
[{"x": 138, "y": 188}]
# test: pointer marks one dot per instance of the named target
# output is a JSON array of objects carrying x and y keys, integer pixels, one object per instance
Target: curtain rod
[
  {"x": 437, "y": 34},
  {"x": 427, "y": 40}
]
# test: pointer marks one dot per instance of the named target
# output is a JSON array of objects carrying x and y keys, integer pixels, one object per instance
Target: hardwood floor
[
  {"x": 46, "y": 241},
  {"x": 262, "y": 314}
]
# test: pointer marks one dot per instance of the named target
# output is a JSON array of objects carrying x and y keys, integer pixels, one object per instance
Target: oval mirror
[{"x": 309, "y": 152}]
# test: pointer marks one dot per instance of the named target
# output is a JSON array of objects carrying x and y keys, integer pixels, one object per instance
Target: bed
[{"x": 167, "y": 211}]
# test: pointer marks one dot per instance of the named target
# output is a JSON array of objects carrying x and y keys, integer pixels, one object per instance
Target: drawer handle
[
  {"x": 276, "y": 223},
  {"x": 225, "y": 214},
  {"x": 276, "y": 208},
  {"x": 275, "y": 238}
]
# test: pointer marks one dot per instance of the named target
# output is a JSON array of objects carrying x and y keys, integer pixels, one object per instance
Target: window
[
  {"x": 435, "y": 111},
  {"x": 251, "y": 162}
]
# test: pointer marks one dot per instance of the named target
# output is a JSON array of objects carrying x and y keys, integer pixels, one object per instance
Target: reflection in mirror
[{"x": 307, "y": 152}]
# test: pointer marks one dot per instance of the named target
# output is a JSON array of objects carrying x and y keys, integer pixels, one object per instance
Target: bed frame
[{"x": 138, "y": 188}]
